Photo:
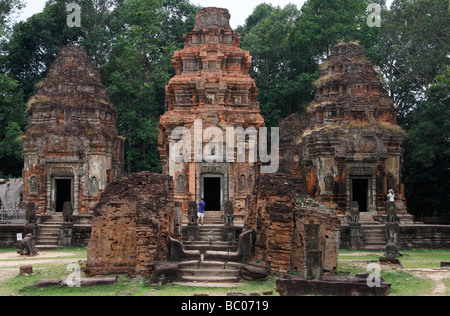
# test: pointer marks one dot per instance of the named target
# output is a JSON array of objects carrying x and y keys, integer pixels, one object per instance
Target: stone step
[
  {"x": 374, "y": 247},
  {"x": 204, "y": 246},
  {"x": 47, "y": 247},
  {"x": 47, "y": 234},
  {"x": 49, "y": 226},
  {"x": 207, "y": 228},
  {"x": 217, "y": 265},
  {"x": 205, "y": 233},
  {"x": 47, "y": 241},
  {"x": 210, "y": 273},
  {"x": 209, "y": 279},
  {"x": 375, "y": 238}
]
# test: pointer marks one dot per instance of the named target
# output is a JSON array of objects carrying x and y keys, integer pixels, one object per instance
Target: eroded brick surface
[
  {"x": 130, "y": 225},
  {"x": 275, "y": 214},
  {"x": 71, "y": 134},
  {"x": 349, "y": 132},
  {"x": 211, "y": 84}
]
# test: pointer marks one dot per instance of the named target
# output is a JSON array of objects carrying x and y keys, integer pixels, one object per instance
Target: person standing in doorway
[{"x": 201, "y": 212}]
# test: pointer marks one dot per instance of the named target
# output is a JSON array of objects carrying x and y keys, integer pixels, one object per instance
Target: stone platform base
[{"x": 330, "y": 286}]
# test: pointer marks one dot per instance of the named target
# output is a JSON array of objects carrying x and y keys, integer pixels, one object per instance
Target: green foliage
[
  {"x": 413, "y": 48},
  {"x": 7, "y": 8},
  {"x": 288, "y": 44},
  {"x": 34, "y": 44},
  {"x": 325, "y": 23},
  {"x": 147, "y": 34},
  {"x": 284, "y": 82},
  {"x": 427, "y": 152},
  {"x": 12, "y": 120},
  {"x": 132, "y": 42}
]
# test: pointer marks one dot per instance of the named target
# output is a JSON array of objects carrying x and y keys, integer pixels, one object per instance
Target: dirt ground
[
  {"x": 436, "y": 275},
  {"x": 10, "y": 262}
]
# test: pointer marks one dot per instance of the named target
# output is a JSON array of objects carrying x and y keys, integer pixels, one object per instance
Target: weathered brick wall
[
  {"x": 279, "y": 225},
  {"x": 329, "y": 236},
  {"x": 349, "y": 131},
  {"x": 211, "y": 84},
  {"x": 131, "y": 224},
  {"x": 71, "y": 133}
]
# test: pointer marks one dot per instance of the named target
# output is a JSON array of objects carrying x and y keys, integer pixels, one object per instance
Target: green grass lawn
[{"x": 404, "y": 283}]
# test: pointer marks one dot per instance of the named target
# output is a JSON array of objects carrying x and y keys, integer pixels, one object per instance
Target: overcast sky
[{"x": 239, "y": 9}]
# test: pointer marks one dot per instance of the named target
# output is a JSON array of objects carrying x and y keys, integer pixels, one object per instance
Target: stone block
[
  {"x": 24, "y": 270},
  {"x": 330, "y": 286},
  {"x": 130, "y": 225}
]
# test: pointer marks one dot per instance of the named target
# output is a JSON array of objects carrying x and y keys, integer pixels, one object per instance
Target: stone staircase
[
  {"x": 374, "y": 237},
  {"x": 373, "y": 232},
  {"x": 213, "y": 223},
  {"x": 212, "y": 273},
  {"x": 209, "y": 272},
  {"x": 49, "y": 232}
]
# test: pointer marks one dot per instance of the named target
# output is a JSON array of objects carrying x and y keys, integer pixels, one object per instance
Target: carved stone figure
[
  {"x": 67, "y": 212},
  {"x": 180, "y": 184},
  {"x": 354, "y": 212},
  {"x": 31, "y": 213},
  {"x": 32, "y": 185},
  {"x": 242, "y": 184},
  {"x": 391, "y": 212},
  {"x": 192, "y": 213},
  {"x": 27, "y": 247},
  {"x": 229, "y": 213},
  {"x": 392, "y": 250},
  {"x": 329, "y": 182},
  {"x": 93, "y": 186}
]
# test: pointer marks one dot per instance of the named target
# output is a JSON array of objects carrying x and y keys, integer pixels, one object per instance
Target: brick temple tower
[
  {"x": 71, "y": 145},
  {"x": 348, "y": 148},
  {"x": 212, "y": 85}
]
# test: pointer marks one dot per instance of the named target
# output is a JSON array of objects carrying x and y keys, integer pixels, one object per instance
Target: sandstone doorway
[
  {"x": 63, "y": 190},
  {"x": 212, "y": 193},
  {"x": 361, "y": 192}
]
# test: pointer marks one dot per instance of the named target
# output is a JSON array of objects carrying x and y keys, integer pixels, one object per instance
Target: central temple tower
[{"x": 211, "y": 87}]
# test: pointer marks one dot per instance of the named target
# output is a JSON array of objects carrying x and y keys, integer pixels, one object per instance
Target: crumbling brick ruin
[
  {"x": 348, "y": 148},
  {"x": 71, "y": 145},
  {"x": 131, "y": 224},
  {"x": 279, "y": 215},
  {"x": 211, "y": 84}
]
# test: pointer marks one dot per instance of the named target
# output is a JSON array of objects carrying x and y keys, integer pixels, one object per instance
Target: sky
[{"x": 239, "y": 9}]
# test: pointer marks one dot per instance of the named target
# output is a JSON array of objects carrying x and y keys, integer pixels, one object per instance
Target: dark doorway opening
[
  {"x": 63, "y": 193},
  {"x": 360, "y": 189},
  {"x": 212, "y": 190}
]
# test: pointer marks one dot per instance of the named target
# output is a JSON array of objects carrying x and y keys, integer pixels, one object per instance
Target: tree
[
  {"x": 7, "y": 8},
  {"x": 413, "y": 45},
  {"x": 284, "y": 80},
  {"x": 12, "y": 117},
  {"x": 325, "y": 23},
  {"x": 34, "y": 44},
  {"x": 12, "y": 120},
  {"x": 427, "y": 152},
  {"x": 147, "y": 32},
  {"x": 261, "y": 12}
]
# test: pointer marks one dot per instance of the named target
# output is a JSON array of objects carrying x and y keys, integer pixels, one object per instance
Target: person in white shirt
[{"x": 391, "y": 196}]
